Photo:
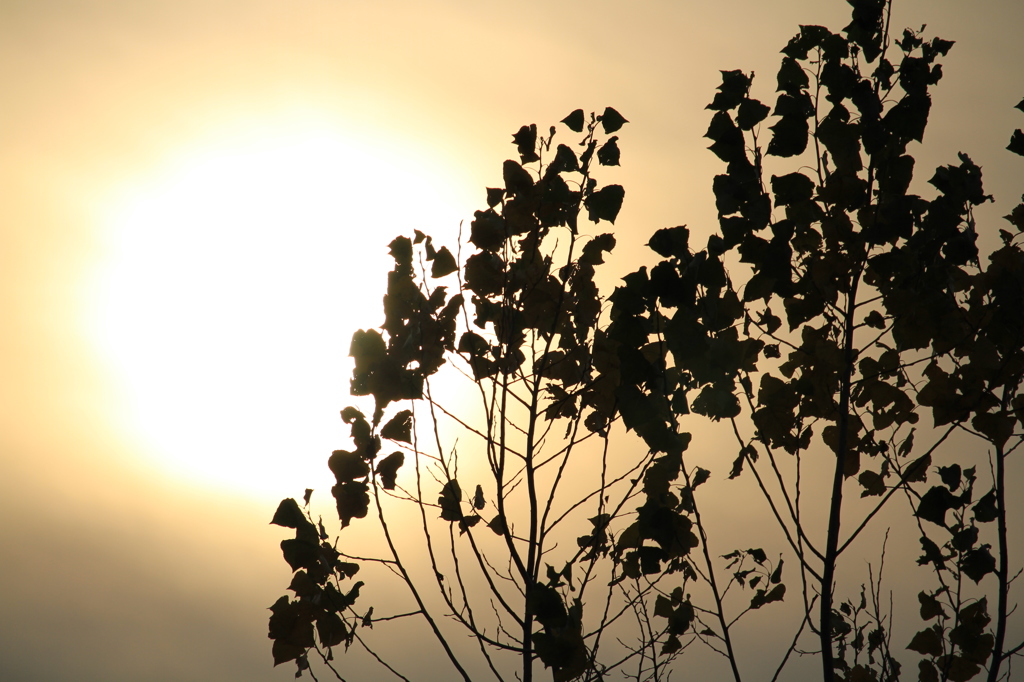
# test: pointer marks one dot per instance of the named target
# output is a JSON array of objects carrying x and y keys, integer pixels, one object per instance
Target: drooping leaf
[
  {"x": 388, "y": 467},
  {"x": 450, "y": 501},
  {"x": 526, "y": 143},
  {"x": 604, "y": 204},
  {"x": 608, "y": 154}
]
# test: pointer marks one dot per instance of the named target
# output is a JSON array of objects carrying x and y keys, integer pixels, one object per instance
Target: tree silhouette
[{"x": 583, "y": 544}]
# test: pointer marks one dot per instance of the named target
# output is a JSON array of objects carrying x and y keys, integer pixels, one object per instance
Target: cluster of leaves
[
  {"x": 321, "y": 604},
  {"x": 860, "y": 307},
  {"x": 533, "y": 339}
]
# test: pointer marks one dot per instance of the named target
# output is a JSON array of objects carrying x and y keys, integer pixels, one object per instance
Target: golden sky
[{"x": 194, "y": 201}]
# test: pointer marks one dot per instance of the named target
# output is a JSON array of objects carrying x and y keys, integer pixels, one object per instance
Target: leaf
[
  {"x": 300, "y": 554},
  {"x": 875, "y": 320},
  {"x": 761, "y": 598},
  {"x": 731, "y": 92},
  {"x": 927, "y": 642},
  {"x": 934, "y": 505},
  {"x": 950, "y": 476},
  {"x": 497, "y": 525},
  {"x": 611, "y": 120},
  {"x": 930, "y": 606},
  {"x": 927, "y": 671},
  {"x": 608, "y": 154},
  {"x": 776, "y": 576},
  {"x": 671, "y": 645},
  {"x": 347, "y": 466},
  {"x": 467, "y": 522},
  {"x": 517, "y": 179},
  {"x": 289, "y": 515},
  {"x": 789, "y": 136},
  {"x": 917, "y": 472},
  {"x": 352, "y": 500},
  {"x": 388, "y": 467},
  {"x": 450, "y": 501},
  {"x": 331, "y": 629},
  {"x": 443, "y": 264},
  {"x": 1017, "y": 143},
  {"x": 604, "y": 204},
  {"x": 526, "y": 143},
  {"x": 978, "y": 563},
  {"x": 792, "y": 188},
  {"x": 565, "y": 161},
  {"x": 494, "y": 196},
  {"x": 574, "y": 121},
  {"x": 750, "y": 113},
  {"x": 985, "y": 511},
  {"x": 399, "y": 427}
]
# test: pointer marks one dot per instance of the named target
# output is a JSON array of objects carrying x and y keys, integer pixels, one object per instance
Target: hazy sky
[{"x": 194, "y": 201}]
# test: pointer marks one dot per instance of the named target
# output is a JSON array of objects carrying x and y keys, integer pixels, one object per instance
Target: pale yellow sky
[{"x": 194, "y": 199}]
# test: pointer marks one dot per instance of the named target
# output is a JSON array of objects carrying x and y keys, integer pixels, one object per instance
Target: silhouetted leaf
[
  {"x": 927, "y": 642},
  {"x": 930, "y": 607},
  {"x": 574, "y": 121},
  {"x": 289, "y": 515},
  {"x": 443, "y": 263},
  {"x": 347, "y": 466},
  {"x": 352, "y": 500},
  {"x": 565, "y": 161},
  {"x": 497, "y": 524},
  {"x": 517, "y": 179},
  {"x": 450, "y": 501},
  {"x": 872, "y": 483},
  {"x": 934, "y": 505},
  {"x": 761, "y": 598},
  {"x": 985, "y": 510},
  {"x": 331, "y": 629},
  {"x": 526, "y": 143},
  {"x": 300, "y": 554},
  {"x": 388, "y": 467},
  {"x": 1016, "y": 143},
  {"x": 750, "y": 113},
  {"x": 608, "y": 154},
  {"x": 604, "y": 204},
  {"x": 611, "y": 120},
  {"x": 978, "y": 563}
]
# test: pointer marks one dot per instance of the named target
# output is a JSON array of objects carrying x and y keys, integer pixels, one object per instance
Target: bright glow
[{"x": 235, "y": 278}]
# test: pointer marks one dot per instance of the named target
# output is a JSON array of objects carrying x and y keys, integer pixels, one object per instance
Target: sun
[{"x": 233, "y": 279}]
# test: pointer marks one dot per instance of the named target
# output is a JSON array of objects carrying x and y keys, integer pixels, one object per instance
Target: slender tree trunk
[
  {"x": 836, "y": 507},
  {"x": 1002, "y": 572}
]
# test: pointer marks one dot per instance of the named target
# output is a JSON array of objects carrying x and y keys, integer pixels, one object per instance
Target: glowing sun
[{"x": 233, "y": 280}]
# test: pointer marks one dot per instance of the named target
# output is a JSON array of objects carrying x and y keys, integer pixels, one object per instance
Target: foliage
[{"x": 832, "y": 309}]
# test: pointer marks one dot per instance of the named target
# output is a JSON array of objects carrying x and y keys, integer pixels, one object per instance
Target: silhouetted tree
[{"x": 592, "y": 555}]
